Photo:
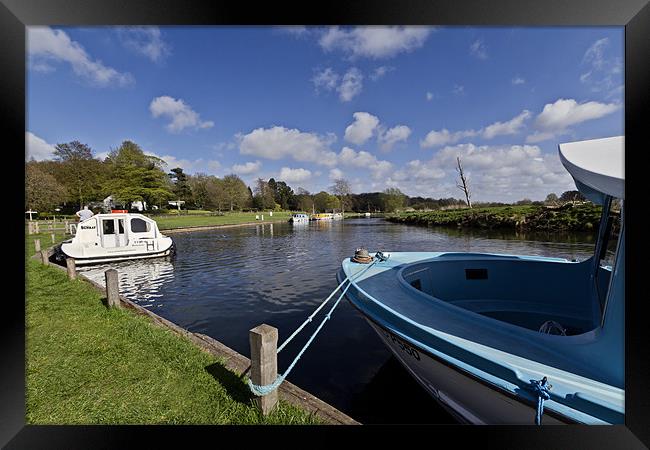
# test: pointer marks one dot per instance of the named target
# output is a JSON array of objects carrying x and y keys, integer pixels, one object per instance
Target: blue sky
[{"x": 379, "y": 106}]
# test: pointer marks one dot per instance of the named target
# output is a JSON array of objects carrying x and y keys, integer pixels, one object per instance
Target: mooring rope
[
  {"x": 267, "y": 389},
  {"x": 541, "y": 388}
]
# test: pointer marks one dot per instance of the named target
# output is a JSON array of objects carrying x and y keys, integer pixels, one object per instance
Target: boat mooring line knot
[
  {"x": 267, "y": 389},
  {"x": 541, "y": 388}
]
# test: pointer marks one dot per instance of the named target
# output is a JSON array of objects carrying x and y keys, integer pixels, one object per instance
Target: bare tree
[
  {"x": 464, "y": 183},
  {"x": 341, "y": 189}
]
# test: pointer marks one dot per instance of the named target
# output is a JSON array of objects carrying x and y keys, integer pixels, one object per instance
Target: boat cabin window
[
  {"x": 140, "y": 226},
  {"x": 108, "y": 226}
]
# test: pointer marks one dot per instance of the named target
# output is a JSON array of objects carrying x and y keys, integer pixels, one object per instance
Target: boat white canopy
[{"x": 596, "y": 165}]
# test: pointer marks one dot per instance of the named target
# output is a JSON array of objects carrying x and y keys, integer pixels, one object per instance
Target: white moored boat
[
  {"x": 484, "y": 333},
  {"x": 115, "y": 237},
  {"x": 299, "y": 218}
]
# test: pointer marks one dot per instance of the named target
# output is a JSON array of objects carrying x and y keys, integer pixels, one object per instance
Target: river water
[{"x": 224, "y": 282}]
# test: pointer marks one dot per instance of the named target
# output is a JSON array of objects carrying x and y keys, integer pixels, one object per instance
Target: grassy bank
[
  {"x": 87, "y": 364},
  {"x": 183, "y": 221},
  {"x": 584, "y": 217}
]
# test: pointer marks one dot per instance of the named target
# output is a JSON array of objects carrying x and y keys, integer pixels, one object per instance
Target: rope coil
[{"x": 261, "y": 390}]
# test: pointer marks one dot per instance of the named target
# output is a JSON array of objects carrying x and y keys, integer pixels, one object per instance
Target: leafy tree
[
  {"x": 135, "y": 176},
  {"x": 181, "y": 190},
  {"x": 572, "y": 196},
  {"x": 72, "y": 151},
  {"x": 551, "y": 199},
  {"x": 342, "y": 190},
  {"x": 324, "y": 201},
  {"x": 42, "y": 192},
  {"x": 263, "y": 198},
  {"x": 393, "y": 199},
  {"x": 236, "y": 192},
  {"x": 284, "y": 195},
  {"x": 78, "y": 171}
]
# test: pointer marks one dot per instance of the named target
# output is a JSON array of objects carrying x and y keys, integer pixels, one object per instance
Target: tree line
[{"x": 75, "y": 178}]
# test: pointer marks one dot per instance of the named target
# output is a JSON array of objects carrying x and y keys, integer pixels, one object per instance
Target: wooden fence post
[
  {"x": 37, "y": 245},
  {"x": 264, "y": 363},
  {"x": 44, "y": 258},
  {"x": 112, "y": 288},
  {"x": 30, "y": 228},
  {"x": 72, "y": 268},
  {"x": 36, "y": 228},
  {"x": 66, "y": 227},
  {"x": 53, "y": 240}
]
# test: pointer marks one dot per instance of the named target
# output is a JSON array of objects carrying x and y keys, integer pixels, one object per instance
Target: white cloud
[
  {"x": 289, "y": 175},
  {"x": 366, "y": 161},
  {"x": 326, "y": 79},
  {"x": 47, "y": 45},
  {"x": 442, "y": 137},
  {"x": 188, "y": 165},
  {"x": 37, "y": 148},
  {"x": 336, "y": 173},
  {"x": 518, "y": 80},
  {"x": 374, "y": 41},
  {"x": 280, "y": 142},
  {"x": 495, "y": 173},
  {"x": 387, "y": 139},
  {"x": 362, "y": 128},
  {"x": 478, "y": 49},
  {"x": 604, "y": 73},
  {"x": 179, "y": 112},
  {"x": 247, "y": 168},
  {"x": 351, "y": 85},
  {"x": 429, "y": 96},
  {"x": 380, "y": 72},
  {"x": 556, "y": 118},
  {"x": 146, "y": 41},
  {"x": 512, "y": 126}
]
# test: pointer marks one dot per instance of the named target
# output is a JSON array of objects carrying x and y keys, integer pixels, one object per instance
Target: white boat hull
[
  {"x": 123, "y": 257},
  {"x": 463, "y": 396}
]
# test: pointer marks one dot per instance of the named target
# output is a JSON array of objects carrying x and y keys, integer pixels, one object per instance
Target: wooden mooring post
[
  {"x": 44, "y": 257},
  {"x": 112, "y": 288},
  {"x": 71, "y": 265},
  {"x": 264, "y": 363},
  {"x": 37, "y": 245}
]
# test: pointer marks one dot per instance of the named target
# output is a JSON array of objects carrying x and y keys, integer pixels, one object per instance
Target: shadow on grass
[{"x": 234, "y": 384}]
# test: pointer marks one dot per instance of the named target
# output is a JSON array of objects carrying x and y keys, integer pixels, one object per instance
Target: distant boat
[
  {"x": 115, "y": 237},
  {"x": 337, "y": 216},
  {"x": 367, "y": 214},
  {"x": 322, "y": 216},
  {"x": 482, "y": 332},
  {"x": 299, "y": 218}
]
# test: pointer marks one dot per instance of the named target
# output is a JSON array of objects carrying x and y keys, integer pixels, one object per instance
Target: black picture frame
[{"x": 634, "y": 15}]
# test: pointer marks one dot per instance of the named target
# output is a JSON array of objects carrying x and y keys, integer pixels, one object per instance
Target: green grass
[
  {"x": 584, "y": 217},
  {"x": 87, "y": 364},
  {"x": 167, "y": 223}
]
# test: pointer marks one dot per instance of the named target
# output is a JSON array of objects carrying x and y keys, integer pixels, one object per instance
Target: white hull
[
  {"x": 468, "y": 400},
  {"x": 117, "y": 258}
]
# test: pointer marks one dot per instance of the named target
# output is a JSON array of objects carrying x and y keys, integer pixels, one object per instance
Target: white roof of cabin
[{"x": 597, "y": 163}]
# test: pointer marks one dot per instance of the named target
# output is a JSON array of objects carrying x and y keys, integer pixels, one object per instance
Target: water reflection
[{"x": 224, "y": 282}]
